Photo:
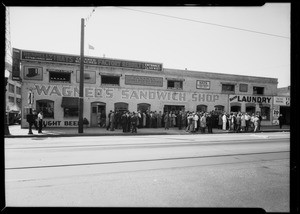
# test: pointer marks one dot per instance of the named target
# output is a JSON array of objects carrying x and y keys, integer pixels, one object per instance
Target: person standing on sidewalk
[
  {"x": 40, "y": 121},
  {"x": 167, "y": 120},
  {"x": 179, "y": 120},
  {"x": 133, "y": 120},
  {"x": 243, "y": 123},
  {"x": 281, "y": 120},
  {"x": 238, "y": 123},
  {"x": 255, "y": 122},
  {"x": 209, "y": 123},
  {"x": 112, "y": 121},
  {"x": 259, "y": 122},
  {"x": 224, "y": 120}
]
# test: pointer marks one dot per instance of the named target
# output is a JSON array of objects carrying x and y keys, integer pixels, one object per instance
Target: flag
[{"x": 91, "y": 47}]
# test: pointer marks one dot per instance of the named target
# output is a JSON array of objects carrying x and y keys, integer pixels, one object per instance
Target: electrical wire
[{"x": 208, "y": 23}]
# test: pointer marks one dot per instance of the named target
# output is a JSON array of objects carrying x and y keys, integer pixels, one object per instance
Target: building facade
[
  {"x": 281, "y": 105},
  {"x": 50, "y": 83}
]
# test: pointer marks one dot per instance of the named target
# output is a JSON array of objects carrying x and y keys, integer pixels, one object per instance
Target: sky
[{"x": 251, "y": 41}]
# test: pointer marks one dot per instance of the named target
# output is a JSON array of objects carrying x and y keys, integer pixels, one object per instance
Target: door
[{"x": 97, "y": 108}]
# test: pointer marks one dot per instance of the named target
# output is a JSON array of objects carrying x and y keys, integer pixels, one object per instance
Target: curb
[{"x": 128, "y": 134}]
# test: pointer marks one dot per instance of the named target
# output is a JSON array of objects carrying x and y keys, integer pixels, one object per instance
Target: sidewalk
[{"x": 16, "y": 131}]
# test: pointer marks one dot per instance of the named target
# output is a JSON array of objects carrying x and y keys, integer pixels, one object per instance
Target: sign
[
  {"x": 30, "y": 97},
  {"x": 16, "y": 59},
  {"x": 201, "y": 84},
  {"x": 143, "y": 80},
  {"x": 33, "y": 73},
  {"x": 62, "y": 58},
  {"x": 124, "y": 94},
  {"x": 249, "y": 99},
  {"x": 282, "y": 101}
]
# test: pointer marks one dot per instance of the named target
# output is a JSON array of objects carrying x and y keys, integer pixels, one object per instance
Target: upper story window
[
  {"x": 228, "y": 88},
  {"x": 258, "y": 90},
  {"x": 11, "y": 88},
  {"x": 243, "y": 88},
  {"x": 18, "y": 90},
  {"x": 175, "y": 84},
  {"x": 59, "y": 76},
  {"x": 110, "y": 80}
]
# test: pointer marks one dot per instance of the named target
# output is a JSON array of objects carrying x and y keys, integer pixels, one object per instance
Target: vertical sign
[
  {"x": 30, "y": 98},
  {"x": 16, "y": 58}
]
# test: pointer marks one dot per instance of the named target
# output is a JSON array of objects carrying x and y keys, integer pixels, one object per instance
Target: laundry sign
[{"x": 249, "y": 99}]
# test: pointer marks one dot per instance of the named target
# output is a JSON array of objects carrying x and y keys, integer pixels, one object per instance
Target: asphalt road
[{"x": 224, "y": 170}]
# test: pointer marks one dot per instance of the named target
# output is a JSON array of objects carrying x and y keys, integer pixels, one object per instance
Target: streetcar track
[
  {"x": 137, "y": 145},
  {"x": 141, "y": 160}
]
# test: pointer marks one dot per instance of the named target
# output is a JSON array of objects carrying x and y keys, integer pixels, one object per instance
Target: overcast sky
[{"x": 253, "y": 41}]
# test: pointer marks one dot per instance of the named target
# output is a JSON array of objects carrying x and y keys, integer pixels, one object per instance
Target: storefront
[
  {"x": 281, "y": 106},
  {"x": 120, "y": 85},
  {"x": 261, "y": 105}
]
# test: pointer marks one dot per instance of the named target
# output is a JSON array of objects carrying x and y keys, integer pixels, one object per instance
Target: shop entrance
[
  {"x": 235, "y": 108},
  {"x": 250, "y": 110},
  {"x": 173, "y": 108},
  {"x": 143, "y": 107},
  {"x": 285, "y": 111},
  {"x": 121, "y": 107},
  {"x": 97, "y": 112}
]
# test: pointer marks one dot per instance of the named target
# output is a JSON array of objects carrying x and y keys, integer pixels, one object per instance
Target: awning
[{"x": 70, "y": 102}]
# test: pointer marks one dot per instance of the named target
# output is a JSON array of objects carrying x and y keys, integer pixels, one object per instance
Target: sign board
[
  {"x": 201, "y": 84},
  {"x": 16, "y": 60},
  {"x": 51, "y": 57},
  {"x": 250, "y": 99},
  {"x": 282, "y": 101},
  {"x": 143, "y": 80}
]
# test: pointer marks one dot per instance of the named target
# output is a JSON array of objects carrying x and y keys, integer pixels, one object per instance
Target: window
[
  {"x": 71, "y": 112},
  {"x": 228, "y": 88},
  {"x": 46, "y": 106},
  {"x": 11, "y": 88},
  {"x": 202, "y": 108},
  {"x": 243, "y": 88},
  {"x": 18, "y": 90},
  {"x": 258, "y": 90},
  {"x": 175, "y": 84},
  {"x": 265, "y": 113},
  {"x": 219, "y": 108},
  {"x": 19, "y": 102},
  {"x": 60, "y": 77},
  {"x": 111, "y": 80},
  {"x": 11, "y": 99}
]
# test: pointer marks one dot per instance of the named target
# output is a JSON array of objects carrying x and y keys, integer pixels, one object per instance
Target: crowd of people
[{"x": 190, "y": 121}]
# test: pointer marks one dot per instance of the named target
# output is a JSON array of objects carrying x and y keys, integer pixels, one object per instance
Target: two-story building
[{"x": 51, "y": 84}]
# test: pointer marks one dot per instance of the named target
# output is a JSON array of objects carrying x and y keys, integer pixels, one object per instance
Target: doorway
[
  {"x": 143, "y": 107},
  {"x": 173, "y": 108},
  {"x": 285, "y": 111},
  {"x": 97, "y": 109},
  {"x": 250, "y": 110},
  {"x": 121, "y": 107}
]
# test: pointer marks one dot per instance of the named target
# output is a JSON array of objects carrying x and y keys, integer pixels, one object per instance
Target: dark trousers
[
  {"x": 209, "y": 128},
  {"x": 40, "y": 126},
  {"x": 134, "y": 128}
]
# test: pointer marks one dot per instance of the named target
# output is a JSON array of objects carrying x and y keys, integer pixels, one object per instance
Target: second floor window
[
  {"x": 175, "y": 84},
  {"x": 228, "y": 88},
  {"x": 11, "y": 88},
  {"x": 110, "y": 80},
  {"x": 60, "y": 77},
  {"x": 258, "y": 90}
]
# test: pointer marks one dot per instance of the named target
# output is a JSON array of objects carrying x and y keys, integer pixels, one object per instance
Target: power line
[{"x": 208, "y": 23}]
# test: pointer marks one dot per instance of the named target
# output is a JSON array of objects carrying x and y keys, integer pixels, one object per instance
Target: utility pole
[{"x": 80, "y": 122}]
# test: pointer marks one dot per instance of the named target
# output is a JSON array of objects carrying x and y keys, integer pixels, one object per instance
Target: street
[{"x": 219, "y": 170}]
